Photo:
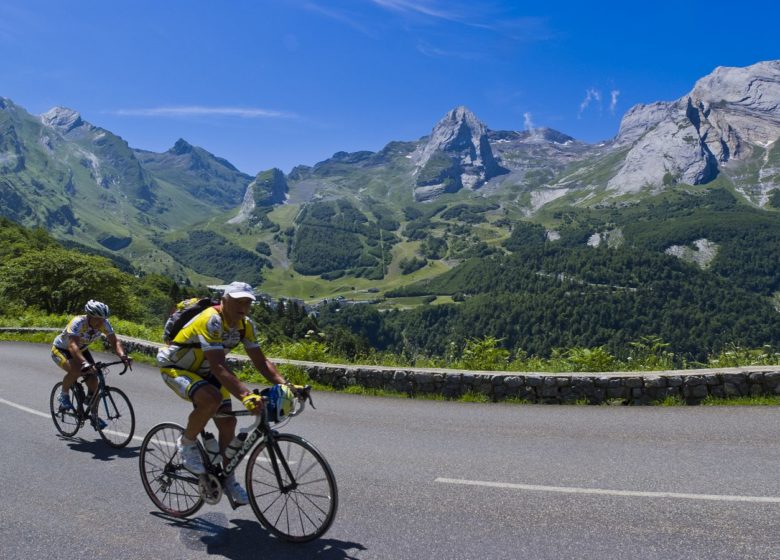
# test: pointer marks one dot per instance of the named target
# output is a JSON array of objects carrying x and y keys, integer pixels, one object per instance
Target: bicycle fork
[{"x": 276, "y": 456}]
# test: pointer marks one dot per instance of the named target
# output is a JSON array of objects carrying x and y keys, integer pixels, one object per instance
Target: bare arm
[
  {"x": 118, "y": 349},
  {"x": 264, "y": 365},
  {"x": 75, "y": 351}
]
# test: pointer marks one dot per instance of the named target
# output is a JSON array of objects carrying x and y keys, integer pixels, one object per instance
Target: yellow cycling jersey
[
  {"x": 79, "y": 326},
  {"x": 206, "y": 331}
]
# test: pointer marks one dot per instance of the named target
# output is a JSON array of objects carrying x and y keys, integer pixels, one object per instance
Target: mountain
[
  {"x": 52, "y": 164},
  {"x": 728, "y": 125},
  {"x": 268, "y": 188},
  {"x": 456, "y": 155},
  {"x": 201, "y": 174},
  {"x": 414, "y": 209},
  {"x": 87, "y": 186}
]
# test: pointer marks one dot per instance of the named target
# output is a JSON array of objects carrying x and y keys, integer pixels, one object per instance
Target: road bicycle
[
  {"x": 108, "y": 404},
  {"x": 291, "y": 487}
]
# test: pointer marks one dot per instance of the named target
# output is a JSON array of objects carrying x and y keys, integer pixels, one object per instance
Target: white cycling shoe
[
  {"x": 190, "y": 457},
  {"x": 236, "y": 491}
]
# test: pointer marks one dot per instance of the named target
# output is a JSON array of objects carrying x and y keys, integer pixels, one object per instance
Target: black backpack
[{"x": 182, "y": 314}]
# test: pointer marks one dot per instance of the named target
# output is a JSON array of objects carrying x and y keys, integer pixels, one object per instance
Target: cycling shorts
[
  {"x": 61, "y": 357},
  {"x": 184, "y": 383}
]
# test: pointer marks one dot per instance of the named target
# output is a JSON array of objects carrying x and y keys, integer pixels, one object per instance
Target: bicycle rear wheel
[
  {"x": 303, "y": 507},
  {"x": 66, "y": 421},
  {"x": 115, "y": 410},
  {"x": 170, "y": 486}
]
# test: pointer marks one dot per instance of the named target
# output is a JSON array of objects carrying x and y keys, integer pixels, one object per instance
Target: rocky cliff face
[
  {"x": 726, "y": 118},
  {"x": 457, "y": 154},
  {"x": 62, "y": 118},
  {"x": 268, "y": 188}
]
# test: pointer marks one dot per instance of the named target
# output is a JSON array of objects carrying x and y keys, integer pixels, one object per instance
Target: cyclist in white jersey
[{"x": 70, "y": 349}]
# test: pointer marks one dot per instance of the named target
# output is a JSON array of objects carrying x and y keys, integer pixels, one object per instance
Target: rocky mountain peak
[
  {"x": 728, "y": 114},
  {"x": 181, "y": 147},
  {"x": 458, "y": 130},
  {"x": 456, "y": 154},
  {"x": 746, "y": 99},
  {"x": 62, "y": 118},
  {"x": 756, "y": 86}
]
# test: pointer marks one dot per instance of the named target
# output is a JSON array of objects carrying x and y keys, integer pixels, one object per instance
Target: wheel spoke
[
  {"x": 173, "y": 494},
  {"x": 297, "y": 509},
  {"x": 66, "y": 421},
  {"x": 118, "y": 414}
]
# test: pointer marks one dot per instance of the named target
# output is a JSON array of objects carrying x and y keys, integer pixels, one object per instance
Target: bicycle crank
[{"x": 210, "y": 488}]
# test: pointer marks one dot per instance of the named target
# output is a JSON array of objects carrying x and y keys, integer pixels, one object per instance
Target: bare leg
[
  {"x": 207, "y": 400},
  {"x": 227, "y": 431},
  {"x": 73, "y": 371}
]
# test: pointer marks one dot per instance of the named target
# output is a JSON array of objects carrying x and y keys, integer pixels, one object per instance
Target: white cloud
[
  {"x": 340, "y": 17},
  {"x": 591, "y": 94},
  {"x": 424, "y": 8},
  {"x": 528, "y": 122},
  {"x": 430, "y": 50},
  {"x": 199, "y": 111},
  {"x": 429, "y": 9},
  {"x": 613, "y": 100}
]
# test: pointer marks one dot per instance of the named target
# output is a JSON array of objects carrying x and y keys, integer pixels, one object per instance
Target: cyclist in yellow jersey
[
  {"x": 70, "y": 349},
  {"x": 193, "y": 366}
]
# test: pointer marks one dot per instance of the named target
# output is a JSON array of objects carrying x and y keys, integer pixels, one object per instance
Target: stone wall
[{"x": 635, "y": 388}]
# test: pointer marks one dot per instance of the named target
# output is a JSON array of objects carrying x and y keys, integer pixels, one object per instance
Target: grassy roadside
[{"x": 298, "y": 376}]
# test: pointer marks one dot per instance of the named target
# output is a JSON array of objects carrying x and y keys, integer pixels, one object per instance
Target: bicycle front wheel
[
  {"x": 170, "y": 486},
  {"x": 66, "y": 420},
  {"x": 300, "y": 503},
  {"x": 115, "y": 410}
]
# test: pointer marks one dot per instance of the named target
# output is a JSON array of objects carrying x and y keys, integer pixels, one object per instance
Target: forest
[{"x": 532, "y": 295}]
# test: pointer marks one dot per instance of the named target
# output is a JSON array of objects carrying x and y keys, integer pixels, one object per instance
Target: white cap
[{"x": 239, "y": 290}]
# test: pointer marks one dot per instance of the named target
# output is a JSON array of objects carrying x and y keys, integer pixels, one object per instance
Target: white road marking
[
  {"x": 44, "y": 415},
  {"x": 24, "y": 408},
  {"x": 604, "y": 492}
]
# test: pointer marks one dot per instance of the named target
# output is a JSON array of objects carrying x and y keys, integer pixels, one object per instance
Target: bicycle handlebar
[
  {"x": 302, "y": 394},
  {"x": 102, "y": 365}
]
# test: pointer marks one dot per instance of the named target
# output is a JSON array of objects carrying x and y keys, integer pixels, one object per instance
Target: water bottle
[
  {"x": 212, "y": 447},
  {"x": 236, "y": 443}
]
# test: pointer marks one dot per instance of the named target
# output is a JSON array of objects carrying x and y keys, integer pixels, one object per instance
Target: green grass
[
  {"x": 474, "y": 397},
  {"x": 758, "y": 400},
  {"x": 481, "y": 353},
  {"x": 43, "y": 337},
  {"x": 672, "y": 400}
]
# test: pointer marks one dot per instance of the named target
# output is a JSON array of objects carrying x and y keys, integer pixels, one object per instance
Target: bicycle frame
[
  {"x": 262, "y": 432},
  {"x": 295, "y": 496},
  {"x": 86, "y": 408}
]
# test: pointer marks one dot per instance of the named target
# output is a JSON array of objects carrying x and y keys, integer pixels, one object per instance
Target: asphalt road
[{"x": 417, "y": 480}]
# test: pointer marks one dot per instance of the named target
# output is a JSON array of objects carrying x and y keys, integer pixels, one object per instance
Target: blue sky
[{"x": 286, "y": 82}]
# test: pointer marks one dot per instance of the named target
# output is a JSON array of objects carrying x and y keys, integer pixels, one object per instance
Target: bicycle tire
[
  {"x": 117, "y": 411},
  {"x": 67, "y": 422},
  {"x": 301, "y": 513},
  {"x": 170, "y": 486}
]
